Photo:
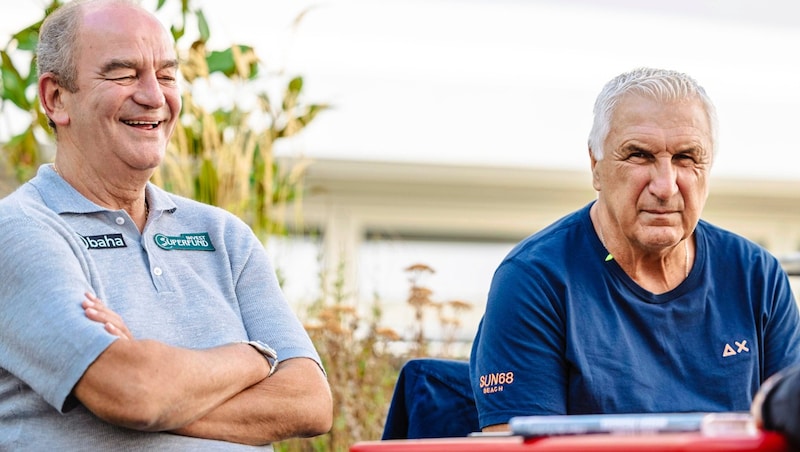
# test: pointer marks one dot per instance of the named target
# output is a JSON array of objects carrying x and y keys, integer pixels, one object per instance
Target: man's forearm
[
  {"x": 294, "y": 402},
  {"x": 149, "y": 386}
]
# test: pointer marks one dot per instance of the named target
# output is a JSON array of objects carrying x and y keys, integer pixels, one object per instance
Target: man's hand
[{"x": 96, "y": 310}]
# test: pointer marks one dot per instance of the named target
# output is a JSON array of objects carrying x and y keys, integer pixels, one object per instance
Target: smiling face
[
  {"x": 127, "y": 103},
  {"x": 653, "y": 180}
]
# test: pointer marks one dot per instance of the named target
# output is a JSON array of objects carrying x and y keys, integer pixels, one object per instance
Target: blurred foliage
[
  {"x": 218, "y": 157},
  {"x": 23, "y": 152},
  {"x": 363, "y": 358}
]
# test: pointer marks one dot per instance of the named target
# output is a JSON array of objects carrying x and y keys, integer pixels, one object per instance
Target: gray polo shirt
[{"x": 197, "y": 277}]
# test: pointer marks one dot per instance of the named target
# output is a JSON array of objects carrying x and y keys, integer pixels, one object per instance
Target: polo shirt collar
[{"x": 61, "y": 197}]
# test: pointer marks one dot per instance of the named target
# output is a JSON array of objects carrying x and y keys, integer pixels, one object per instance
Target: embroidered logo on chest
[
  {"x": 741, "y": 347},
  {"x": 198, "y": 241},
  {"x": 97, "y": 242}
]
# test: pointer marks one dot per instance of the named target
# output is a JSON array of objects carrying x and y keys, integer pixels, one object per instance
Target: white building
[{"x": 377, "y": 218}]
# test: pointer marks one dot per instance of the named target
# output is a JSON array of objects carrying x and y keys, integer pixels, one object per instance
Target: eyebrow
[
  {"x": 130, "y": 64},
  {"x": 635, "y": 147}
]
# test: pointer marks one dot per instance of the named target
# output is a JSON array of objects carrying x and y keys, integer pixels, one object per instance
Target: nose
[
  {"x": 149, "y": 92},
  {"x": 663, "y": 179}
]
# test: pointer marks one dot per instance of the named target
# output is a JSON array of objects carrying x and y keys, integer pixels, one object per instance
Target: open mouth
[{"x": 148, "y": 125}]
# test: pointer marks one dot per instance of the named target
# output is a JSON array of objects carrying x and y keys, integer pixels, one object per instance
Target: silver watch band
[{"x": 268, "y": 352}]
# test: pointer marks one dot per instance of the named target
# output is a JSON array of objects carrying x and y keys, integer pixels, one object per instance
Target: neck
[
  {"x": 110, "y": 196},
  {"x": 655, "y": 275}
]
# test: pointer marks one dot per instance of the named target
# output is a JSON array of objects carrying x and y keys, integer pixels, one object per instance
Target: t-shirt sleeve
[
  {"x": 782, "y": 327},
  {"x": 517, "y": 366},
  {"x": 47, "y": 341},
  {"x": 266, "y": 314}
]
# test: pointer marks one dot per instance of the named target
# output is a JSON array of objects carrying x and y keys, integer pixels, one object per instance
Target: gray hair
[
  {"x": 56, "y": 50},
  {"x": 658, "y": 84}
]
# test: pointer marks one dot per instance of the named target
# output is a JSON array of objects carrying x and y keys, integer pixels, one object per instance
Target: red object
[{"x": 664, "y": 442}]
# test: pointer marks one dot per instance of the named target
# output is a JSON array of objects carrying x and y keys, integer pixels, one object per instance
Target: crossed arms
[{"x": 220, "y": 393}]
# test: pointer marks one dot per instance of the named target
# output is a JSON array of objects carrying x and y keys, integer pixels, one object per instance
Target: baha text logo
[
  {"x": 199, "y": 241},
  {"x": 495, "y": 382},
  {"x": 97, "y": 242}
]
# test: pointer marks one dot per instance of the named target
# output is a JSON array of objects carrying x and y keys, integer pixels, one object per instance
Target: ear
[
  {"x": 595, "y": 171},
  {"x": 51, "y": 97}
]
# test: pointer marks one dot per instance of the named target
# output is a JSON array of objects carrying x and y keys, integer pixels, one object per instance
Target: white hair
[{"x": 659, "y": 84}]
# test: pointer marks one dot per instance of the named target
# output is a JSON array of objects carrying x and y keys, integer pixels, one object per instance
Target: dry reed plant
[
  {"x": 220, "y": 158},
  {"x": 355, "y": 352},
  {"x": 363, "y": 358}
]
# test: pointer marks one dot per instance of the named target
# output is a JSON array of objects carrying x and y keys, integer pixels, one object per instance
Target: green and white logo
[{"x": 199, "y": 241}]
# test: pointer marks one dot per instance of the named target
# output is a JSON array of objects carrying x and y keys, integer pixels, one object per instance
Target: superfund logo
[
  {"x": 97, "y": 242},
  {"x": 198, "y": 241}
]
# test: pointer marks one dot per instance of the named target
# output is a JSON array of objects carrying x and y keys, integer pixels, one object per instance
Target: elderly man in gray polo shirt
[{"x": 130, "y": 318}]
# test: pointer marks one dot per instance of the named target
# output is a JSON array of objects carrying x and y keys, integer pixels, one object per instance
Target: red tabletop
[{"x": 664, "y": 442}]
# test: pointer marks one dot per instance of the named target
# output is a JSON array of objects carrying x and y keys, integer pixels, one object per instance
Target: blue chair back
[{"x": 432, "y": 399}]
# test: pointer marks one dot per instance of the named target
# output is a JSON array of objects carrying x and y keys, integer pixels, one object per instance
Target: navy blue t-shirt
[{"x": 567, "y": 332}]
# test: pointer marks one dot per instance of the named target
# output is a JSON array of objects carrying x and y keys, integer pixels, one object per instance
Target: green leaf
[
  {"x": 18, "y": 141},
  {"x": 296, "y": 85},
  {"x": 42, "y": 121},
  {"x": 52, "y": 7},
  {"x": 28, "y": 38},
  {"x": 313, "y": 111},
  {"x": 23, "y": 153},
  {"x": 177, "y": 32},
  {"x": 221, "y": 61},
  {"x": 13, "y": 85},
  {"x": 33, "y": 77},
  {"x": 202, "y": 26},
  {"x": 292, "y": 92}
]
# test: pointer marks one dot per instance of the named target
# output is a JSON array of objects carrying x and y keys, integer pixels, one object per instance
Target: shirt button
[
  {"x": 157, "y": 271},
  {"x": 120, "y": 221}
]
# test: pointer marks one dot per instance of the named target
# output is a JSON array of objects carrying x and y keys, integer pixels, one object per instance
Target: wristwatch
[{"x": 269, "y": 353}]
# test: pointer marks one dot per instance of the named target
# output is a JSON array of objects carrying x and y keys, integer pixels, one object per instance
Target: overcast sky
[{"x": 512, "y": 82}]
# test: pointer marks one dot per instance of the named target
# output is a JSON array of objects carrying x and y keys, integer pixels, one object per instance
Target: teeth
[{"x": 141, "y": 123}]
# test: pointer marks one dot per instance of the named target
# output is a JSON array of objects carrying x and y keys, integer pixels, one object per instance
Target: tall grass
[
  {"x": 363, "y": 358},
  {"x": 221, "y": 158}
]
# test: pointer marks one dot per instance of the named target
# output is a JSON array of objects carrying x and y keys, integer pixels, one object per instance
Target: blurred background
[{"x": 458, "y": 127}]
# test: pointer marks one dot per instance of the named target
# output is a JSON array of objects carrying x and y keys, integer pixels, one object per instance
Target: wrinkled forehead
[{"x": 667, "y": 112}]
